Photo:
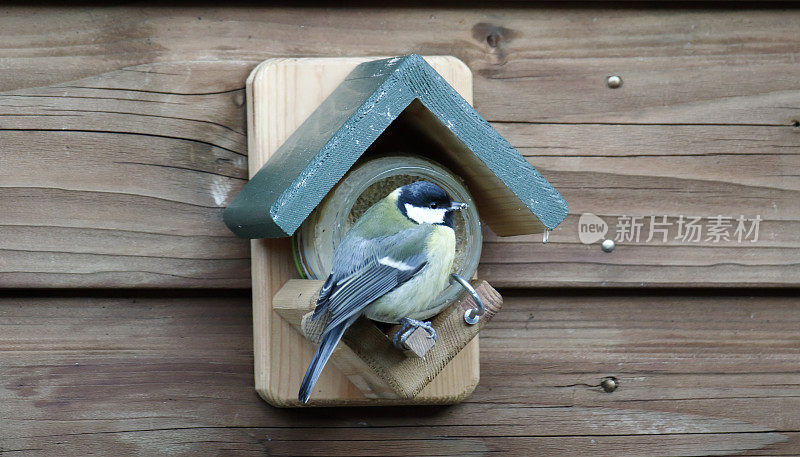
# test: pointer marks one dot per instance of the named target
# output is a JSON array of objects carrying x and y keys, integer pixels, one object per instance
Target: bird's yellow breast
[{"x": 415, "y": 298}]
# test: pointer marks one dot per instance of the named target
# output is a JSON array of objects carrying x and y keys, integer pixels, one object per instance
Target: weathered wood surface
[
  {"x": 122, "y": 137},
  {"x": 139, "y": 374},
  {"x": 122, "y": 133}
]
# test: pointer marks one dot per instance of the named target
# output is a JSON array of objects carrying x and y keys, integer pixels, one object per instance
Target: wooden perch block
[
  {"x": 418, "y": 343},
  {"x": 367, "y": 355}
]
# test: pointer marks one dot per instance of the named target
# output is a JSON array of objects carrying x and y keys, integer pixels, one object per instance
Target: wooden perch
[{"x": 367, "y": 355}]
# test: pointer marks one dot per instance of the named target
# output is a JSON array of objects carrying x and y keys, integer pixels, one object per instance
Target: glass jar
[{"x": 364, "y": 185}]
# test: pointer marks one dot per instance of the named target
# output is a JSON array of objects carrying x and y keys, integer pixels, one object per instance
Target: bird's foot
[{"x": 408, "y": 326}]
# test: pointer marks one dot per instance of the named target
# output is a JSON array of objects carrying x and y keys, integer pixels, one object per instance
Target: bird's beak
[{"x": 456, "y": 206}]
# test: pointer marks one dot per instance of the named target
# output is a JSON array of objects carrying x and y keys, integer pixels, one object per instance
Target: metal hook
[{"x": 472, "y": 315}]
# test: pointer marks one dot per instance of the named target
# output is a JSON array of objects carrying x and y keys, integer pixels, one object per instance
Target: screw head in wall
[
  {"x": 614, "y": 81},
  {"x": 609, "y": 384},
  {"x": 608, "y": 245}
]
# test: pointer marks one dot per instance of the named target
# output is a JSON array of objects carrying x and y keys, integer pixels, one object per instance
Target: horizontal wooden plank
[
  {"x": 698, "y": 375},
  {"x": 119, "y": 179},
  {"x": 656, "y": 171},
  {"x": 678, "y": 64},
  {"x": 122, "y": 180},
  {"x": 283, "y": 442}
]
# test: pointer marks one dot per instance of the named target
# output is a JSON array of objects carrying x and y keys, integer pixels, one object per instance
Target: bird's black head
[{"x": 426, "y": 203}]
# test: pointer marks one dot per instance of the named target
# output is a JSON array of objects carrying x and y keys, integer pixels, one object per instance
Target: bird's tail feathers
[{"x": 326, "y": 346}]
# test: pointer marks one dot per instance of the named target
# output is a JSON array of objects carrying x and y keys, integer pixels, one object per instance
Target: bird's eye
[{"x": 433, "y": 205}]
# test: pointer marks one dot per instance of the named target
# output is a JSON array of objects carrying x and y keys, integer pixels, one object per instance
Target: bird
[{"x": 390, "y": 267}]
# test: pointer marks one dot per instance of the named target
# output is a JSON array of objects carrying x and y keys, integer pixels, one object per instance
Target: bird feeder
[{"x": 327, "y": 137}]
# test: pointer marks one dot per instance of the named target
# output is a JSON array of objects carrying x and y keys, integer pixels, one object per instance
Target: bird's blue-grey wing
[
  {"x": 353, "y": 254},
  {"x": 364, "y": 270},
  {"x": 381, "y": 265},
  {"x": 346, "y": 297}
]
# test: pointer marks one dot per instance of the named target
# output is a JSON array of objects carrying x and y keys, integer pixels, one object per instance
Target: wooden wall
[{"x": 122, "y": 138}]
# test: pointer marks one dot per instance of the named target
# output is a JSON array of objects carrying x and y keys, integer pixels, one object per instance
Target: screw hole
[
  {"x": 493, "y": 39},
  {"x": 795, "y": 123}
]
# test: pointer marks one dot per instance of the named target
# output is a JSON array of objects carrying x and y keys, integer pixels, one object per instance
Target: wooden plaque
[{"x": 282, "y": 94}]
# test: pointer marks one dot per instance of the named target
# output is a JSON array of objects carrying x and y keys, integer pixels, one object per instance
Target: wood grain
[
  {"x": 119, "y": 179},
  {"x": 122, "y": 137},
  {"x": 699, "y": 375}
]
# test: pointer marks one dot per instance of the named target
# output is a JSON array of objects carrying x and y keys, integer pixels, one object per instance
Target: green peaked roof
[{"x": 317, "y": 155}]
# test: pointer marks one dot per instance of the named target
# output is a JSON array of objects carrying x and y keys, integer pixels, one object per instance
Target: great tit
[{"x": 390, "y": 266}]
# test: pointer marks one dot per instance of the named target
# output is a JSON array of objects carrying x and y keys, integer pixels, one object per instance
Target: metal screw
[
  {"x": 614, "y": 81},
  {"x": 608, "y": 245},
  {"x": 471, "y": 316},
  {"x": 609, "y": 384}
]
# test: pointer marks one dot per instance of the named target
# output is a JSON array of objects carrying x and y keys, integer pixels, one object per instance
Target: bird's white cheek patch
[{"x": 425, "y": 215}]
